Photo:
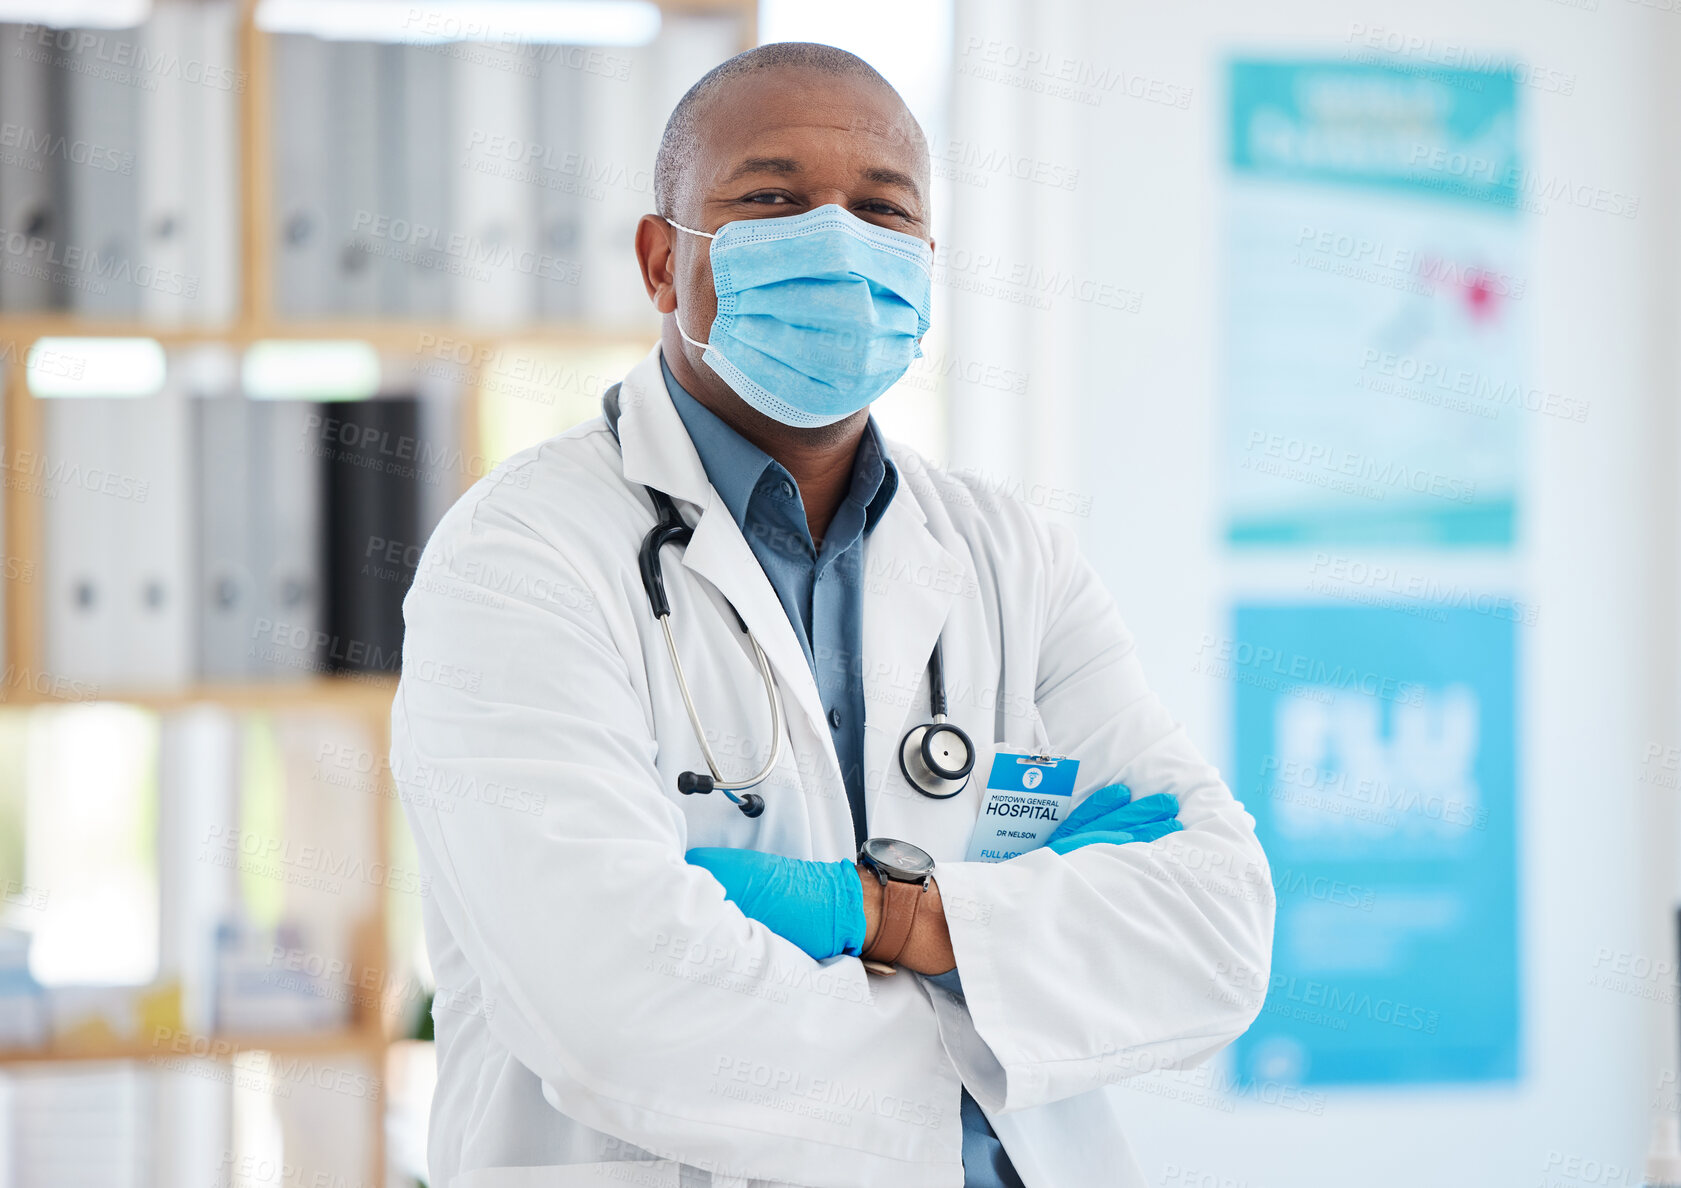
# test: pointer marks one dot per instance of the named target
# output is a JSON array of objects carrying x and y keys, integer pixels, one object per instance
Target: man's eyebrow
[
  {"x": 764, "y": 165},
  {"x": 787, "y": 166},
  {"x": 892, "y": 177}
]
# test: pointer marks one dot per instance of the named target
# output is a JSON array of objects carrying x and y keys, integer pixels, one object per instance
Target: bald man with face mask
[{"x": 984, "y": 876}]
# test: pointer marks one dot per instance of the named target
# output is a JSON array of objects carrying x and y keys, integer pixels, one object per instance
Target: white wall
[{"x": 1123, "y": 407}]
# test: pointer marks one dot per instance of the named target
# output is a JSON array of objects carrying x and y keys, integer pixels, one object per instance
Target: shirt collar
[
  {"x": 735, "y": 465},
  {"x": 875, "y": 479}
]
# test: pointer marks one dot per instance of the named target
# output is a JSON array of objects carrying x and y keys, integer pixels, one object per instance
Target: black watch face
[{"x": 899, "y": 859}]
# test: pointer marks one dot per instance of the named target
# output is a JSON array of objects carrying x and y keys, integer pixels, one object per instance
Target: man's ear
[{"x": 654, "y": 241}]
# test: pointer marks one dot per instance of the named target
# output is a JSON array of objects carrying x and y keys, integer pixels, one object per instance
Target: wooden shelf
[
  {"x": 369, "y": 694},
  {"x": 393, "y": 334},
  {"x": 206, "y": 1047}
]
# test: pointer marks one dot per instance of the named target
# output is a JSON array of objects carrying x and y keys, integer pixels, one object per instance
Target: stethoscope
[{"x": 935, "y": 757}]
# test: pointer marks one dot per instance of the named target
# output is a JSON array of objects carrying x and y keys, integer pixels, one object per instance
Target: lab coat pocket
[{"x": 636, "y": 1173}]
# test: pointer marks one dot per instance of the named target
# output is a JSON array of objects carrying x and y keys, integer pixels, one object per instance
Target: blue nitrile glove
[
  {"x": 1111, "y": 816},
  {"x": 819, "y": 906}
]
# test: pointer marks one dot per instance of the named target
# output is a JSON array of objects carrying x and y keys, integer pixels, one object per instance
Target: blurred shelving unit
[
  {"x": 368, "y": 1040},
  {"x": 363, "y": 698}
]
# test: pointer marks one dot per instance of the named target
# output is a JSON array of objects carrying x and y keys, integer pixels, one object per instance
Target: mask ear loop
[
  {"x": 690, "y": 230},
  {"x": 705, "y": 346}
]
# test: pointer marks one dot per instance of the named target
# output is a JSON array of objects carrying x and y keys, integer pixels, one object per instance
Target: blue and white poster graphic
[
  {"x": 1377, "y": 752},
  {"x": 1376, "y": 294}
]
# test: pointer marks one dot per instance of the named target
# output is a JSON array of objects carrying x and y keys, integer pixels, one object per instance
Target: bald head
[{"x": 775, "y": 81}]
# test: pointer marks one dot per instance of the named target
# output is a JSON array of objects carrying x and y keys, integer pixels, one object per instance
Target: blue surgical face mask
[{"x": 818, "y": 313}]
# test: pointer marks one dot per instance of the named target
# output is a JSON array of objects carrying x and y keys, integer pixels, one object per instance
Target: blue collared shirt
[{"x": 822, "y": 589}]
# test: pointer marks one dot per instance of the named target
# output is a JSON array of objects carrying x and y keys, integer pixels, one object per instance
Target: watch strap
[{"x": 899, "y": 902}]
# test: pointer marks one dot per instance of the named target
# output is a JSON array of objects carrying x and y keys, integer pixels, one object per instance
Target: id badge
[{"x": 1027, "y": 797}]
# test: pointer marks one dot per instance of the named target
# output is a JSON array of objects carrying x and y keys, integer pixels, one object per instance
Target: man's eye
[
  {"x": 766, "y": 198},
  {"x": 876, "y": 206}
]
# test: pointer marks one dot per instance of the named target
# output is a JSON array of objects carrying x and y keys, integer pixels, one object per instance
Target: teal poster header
[{"x": 1414, "y": 127}]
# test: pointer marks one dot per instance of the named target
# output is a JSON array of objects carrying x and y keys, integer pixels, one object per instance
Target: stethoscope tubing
[
  {"x": 669, "y": 528},
  {"x": 718, "y": 782}
]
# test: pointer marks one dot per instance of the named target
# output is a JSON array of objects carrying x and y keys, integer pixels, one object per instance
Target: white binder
[
  {"x": 561, "y": 200},
  {"x": 79, "y": 442},
  {"x": 394, "y": 198},
  {"x": 429, "y": 163},
  {"x": 119, "y": 599},
  {"x": 618, "y": 142},
  {"x": 153, "y": 590},
  {"x": 31, "y": 199},
  {"x": 227, "y": 587},
  {"x": 103, "y": 203},
  {"x": 213, "y": 234},
  {"x": 351, "y": 143},
  {"x": 81, "y": 1126},
  {"x": 116, "y": 549},
  {"x": 304, "y": 267},
  {"x": 285, "y": 536},
  {"x": 496, "y": 208},
  {"x": 164, "y": 166}
]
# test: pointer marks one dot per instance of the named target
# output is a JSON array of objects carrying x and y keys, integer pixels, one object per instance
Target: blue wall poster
[
  {"x": 1377, "y": 752},
  {"x": 1376, "y": 298}
]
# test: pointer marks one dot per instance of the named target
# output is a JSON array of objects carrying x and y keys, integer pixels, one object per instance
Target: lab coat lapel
[
  {"x": 719, "y": 553},
  {"x": 659, "y": 453},
  {"x": 656, "y": 447},
  {"x": 910, "y": 581}
]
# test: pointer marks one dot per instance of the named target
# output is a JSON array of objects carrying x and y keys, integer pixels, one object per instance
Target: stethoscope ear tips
[{"x": 691, "y": 783}]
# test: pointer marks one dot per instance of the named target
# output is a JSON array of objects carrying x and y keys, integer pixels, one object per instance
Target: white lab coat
[{"x": 606, "y": 1017}]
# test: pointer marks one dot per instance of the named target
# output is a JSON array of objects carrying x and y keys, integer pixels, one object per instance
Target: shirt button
[
  {"x": 787, "y": 489},
  {"x": 835, "y": 718}
]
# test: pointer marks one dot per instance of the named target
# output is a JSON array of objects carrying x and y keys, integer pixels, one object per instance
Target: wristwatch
[{"x": 905, "y": 872}]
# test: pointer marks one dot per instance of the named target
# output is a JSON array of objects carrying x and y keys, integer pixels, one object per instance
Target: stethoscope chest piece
[{"x": 936, "y": 759}]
